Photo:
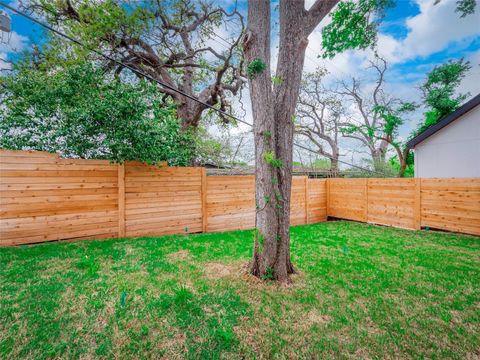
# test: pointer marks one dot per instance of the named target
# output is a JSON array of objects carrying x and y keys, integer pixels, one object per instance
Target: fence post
[
  {"x": 366, "y": 199},
  {"x": 327, "y": 196},
  {"x": 417, "y": 206},
  {"x": 306, "y": 200},
  {"x": 204, "y": 199},
  {"x": 121, "y": 200}
]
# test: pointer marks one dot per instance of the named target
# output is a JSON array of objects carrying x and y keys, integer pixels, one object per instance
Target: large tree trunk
[
  {"x": 293, "y": 43},
  {"x": 273, "y": 125},
  {"x": 334, "y": 165},
  {"x": 402, "y": 158},
  {"x": 273, "y": 130},
  {"x": 190, "y": 113},
  {"x": 378, "y": 158},
  {"x": 334, "y": 158},
  {"x": 257, "y": 46}
]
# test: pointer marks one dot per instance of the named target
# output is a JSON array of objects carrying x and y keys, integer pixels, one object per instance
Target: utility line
[
  {"x": 138, "y": 72},
  {"x": 118, "y": 62}
]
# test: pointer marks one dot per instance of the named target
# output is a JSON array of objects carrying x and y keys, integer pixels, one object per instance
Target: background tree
[
  {"x": 172, "y": 41},
  {"x": 464, "y": 7},
  {"x": 439, "y": 91},
  {"x": 409, "y": 171},
  {"x": 82, "y": 112},
  {"x": 393, "y": 118},
  {"x": 439, "y": 96},
  {"x": 366, "y": 124},
  {"x": 210, "y": 149},
  {"x": 319, "y": 114}
]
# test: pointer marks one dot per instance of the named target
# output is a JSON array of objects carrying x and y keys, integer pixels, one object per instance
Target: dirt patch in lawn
[
  {"x": 313, "y": 317},
  {"x": 215, "y": 270},
  {"x": 372, "y": 328},
  {"x": 240, "y": 271},
  {"x": 181, "y": 255}
]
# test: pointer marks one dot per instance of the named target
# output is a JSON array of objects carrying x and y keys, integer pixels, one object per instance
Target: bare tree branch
[{"x": 174, "y": 49}]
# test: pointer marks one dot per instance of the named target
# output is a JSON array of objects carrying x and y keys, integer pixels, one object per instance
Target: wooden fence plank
[
  {"x": 121, "y": 200},
  {"x": 451, "y": 204},
  {"x": 45, "y": 198},
  {"x": 389, "y": 206},
  {"x": 204, "y": 200},
  {"x": 366, "y": 200},
  {"x": 417, "y": 207},
  {"x": 306, "y": 200}
]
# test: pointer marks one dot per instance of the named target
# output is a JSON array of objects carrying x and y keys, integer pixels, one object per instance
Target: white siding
[{"x": 453, "y": 151}]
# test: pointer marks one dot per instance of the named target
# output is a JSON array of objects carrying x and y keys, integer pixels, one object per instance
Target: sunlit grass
[{"x": 362, "y": 291}]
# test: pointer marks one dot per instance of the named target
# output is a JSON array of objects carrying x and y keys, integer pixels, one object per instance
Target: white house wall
[{"x": 453, "y": 151}]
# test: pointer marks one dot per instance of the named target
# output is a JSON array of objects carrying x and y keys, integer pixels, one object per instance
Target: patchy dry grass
[{"x": 362, "y": 292}]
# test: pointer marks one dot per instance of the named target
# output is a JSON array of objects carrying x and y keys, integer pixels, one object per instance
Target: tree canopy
[
  {"x": 440, "y": 91},
  {"x": 82, "y": 112},
  {"x": 174, "y": 42}
]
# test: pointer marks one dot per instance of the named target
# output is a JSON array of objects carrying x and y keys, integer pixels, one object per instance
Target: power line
[
  {"x": 138, "y": 72},
  {"x": 324, "y": 64},
  {"x": 340, "y": 161},
  {"x": 118, "y": 62},
  {"x": 304, "y": 147}
]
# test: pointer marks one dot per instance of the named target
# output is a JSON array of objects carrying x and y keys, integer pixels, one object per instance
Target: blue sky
[
  {"x": 400, "y": 30},
  {"x": 415, "y": 36}
]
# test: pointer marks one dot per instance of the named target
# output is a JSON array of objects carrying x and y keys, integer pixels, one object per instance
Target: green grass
[{"x": 363, "y": 292}]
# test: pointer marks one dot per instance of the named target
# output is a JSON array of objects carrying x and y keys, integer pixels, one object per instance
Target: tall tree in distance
[
  {"x": 439, "y": 91},
  {"x": 393, "y": 118},
  {"x": 319, "y": 116},
  {"x": 173, "y": 41},
  {"x": 367, "y": 125}
]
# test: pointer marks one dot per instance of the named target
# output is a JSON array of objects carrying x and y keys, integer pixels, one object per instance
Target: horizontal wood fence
[
  {"x": 45, "y": 198},
  {"x": 445, "y": 204}
]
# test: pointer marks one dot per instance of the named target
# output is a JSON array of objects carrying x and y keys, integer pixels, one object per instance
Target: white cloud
[
  {"x": 16, "y": 44},
  {"x": 340, "y": 66},
  {"x": 471, "y": 83},
  {"x": 4, "y": 65},
  {"x": 434, "y": 29}
]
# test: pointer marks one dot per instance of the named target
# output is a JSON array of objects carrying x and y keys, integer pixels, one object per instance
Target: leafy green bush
[
  {"x": 82, "y": 112},
  {"x": 255, "y": 67}
]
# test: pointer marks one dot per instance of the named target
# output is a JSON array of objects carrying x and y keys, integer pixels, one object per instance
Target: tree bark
[
  {"x": 257, "y": 46},
  {"x": 273, "y": 112},
  {"x": 334, "y": 165},
  {"x": 378, "y": 156},
  {"x": 293, "y": 43},
  {"x": 402, "y": 159},
  {"x": 190, "y": 113}
]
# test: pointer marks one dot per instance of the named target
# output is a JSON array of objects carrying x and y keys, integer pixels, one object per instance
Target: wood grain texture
[
  {"x": 45, "y": 198},
  {"x": 306, "y": 195},
  {"x": 204, "y": 200},
  {"x": 162, "y": 200},
  {"x": 317, "y": 200},
  {"x": 451, "y": 204},
  {"x": 230, "y": 203},
  {"x": 391, "y": 202},
  {"x": 297, "y": 205},
  {"x": 121, "y": 200},
  {"x": 347, "y": 199}
]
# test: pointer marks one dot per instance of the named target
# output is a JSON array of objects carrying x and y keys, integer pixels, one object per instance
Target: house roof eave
[{"x": 469, "y": 105}]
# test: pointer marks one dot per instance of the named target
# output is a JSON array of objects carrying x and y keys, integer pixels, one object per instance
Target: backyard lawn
[{"x": 362, "y": 292}]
